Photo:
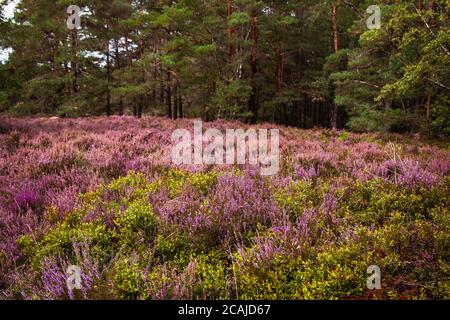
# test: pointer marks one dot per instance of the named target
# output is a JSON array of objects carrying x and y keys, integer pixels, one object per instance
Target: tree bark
[
  {"x": 120, "y": 108},
  {"x": 335, "y": 27},
  {"x": 108, "y": 80},
  {"x": 180, "y": 104},
  {"x": 334, "y": 113},
  {"x": 229, "y": 31},
  {"x": 169, "y": 94},
  {"x": 175, "y": 102},
  {"x": 253, "y": 102},
  {"x": 429, "y": 107},
  {"x": 74, "y": 62},
  {"x": 280, "y": 83}
]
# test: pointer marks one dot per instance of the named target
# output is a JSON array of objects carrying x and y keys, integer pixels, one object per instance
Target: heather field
[{"x": 102, "y": 194}]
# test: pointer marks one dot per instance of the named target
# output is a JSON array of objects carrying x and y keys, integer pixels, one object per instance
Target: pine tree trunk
[
  {"x": 108, "y": 80},
  {"x": 162, "y": 92},
  {"x": 175, "y": 102},
  {"x": 169, "y": 94},
  {"x": 334, "y": 116},
  {"x": 180, "y": 105},
  {"x": 120, "y": 108},
  {"x": 74, "y": 63},
  {"x": 334, "y": 112},
  {"x": 253, "y": 103},
  {"x": 335, "y": 27},
  {"x": 429, "y": 107},
  {"x": 229, "y": 31},
  {"x": 280, "y": 83}
]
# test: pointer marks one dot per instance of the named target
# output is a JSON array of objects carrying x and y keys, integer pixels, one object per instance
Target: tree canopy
[{"x": 299, "y": 63}]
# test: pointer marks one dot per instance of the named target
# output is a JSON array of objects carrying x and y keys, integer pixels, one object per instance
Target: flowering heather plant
[{"x": 102, "y": 194}]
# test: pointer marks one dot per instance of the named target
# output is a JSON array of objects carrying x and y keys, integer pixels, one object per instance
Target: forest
[
  {"x": 348, "y": 199},
  {"x": 302, "y": 63}
]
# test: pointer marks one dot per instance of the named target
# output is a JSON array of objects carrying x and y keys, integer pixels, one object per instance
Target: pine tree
[{"x": 299, "y": 63}]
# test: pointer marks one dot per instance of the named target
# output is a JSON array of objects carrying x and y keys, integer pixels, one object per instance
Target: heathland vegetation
[
  {"x": 88, "y": 183},
  {"x": 102, "y": 194}
]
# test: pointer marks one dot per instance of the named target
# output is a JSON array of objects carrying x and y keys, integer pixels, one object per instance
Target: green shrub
[
  {"x": 126, "y": 217},
  {"x": 299, "y": 196},
  {"x": 344, "y": 136},
  {"x": 211, "y": 277},
  {"x": 337, "y": 272},
  {"x": 137, "y": 223},
  {"x": 374, "y": 202},
  {"x": 405, "y": 232},
  {"x": 172, "y": 247},
  {"x": 203, "y": 182},
  {"x": 128, "y": 280},
  {"x": 60, "y": 241}
]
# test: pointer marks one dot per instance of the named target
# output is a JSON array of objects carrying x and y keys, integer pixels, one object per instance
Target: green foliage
[
  {"x": 212, "y": 277},
  {"x": 366, "y": 121},
  {"x": 299, "y": 196},
  {"x": 239, "y": 18},
  {"x": 394, "y": 120},
  {"x": 128, "y": 281},
  {"x": 24, "y": 109},
  {"x": 136, "y": 223},
  {"x": 372, "y": 223},
  {"x": 203, "y": 182},
  {"x": 130, "y": 213},
  {"x": 343, "y": 137},
  {"x": 334, "y": 273},
  {"x": 60, "y": 241},
  {"x": 172, "y": 247},
  {"x": 440, "y": 125},
  {"x": 263, "y": 61},
  {"x": 118, "y": 216},
  {"x": 376, "y": 202}
]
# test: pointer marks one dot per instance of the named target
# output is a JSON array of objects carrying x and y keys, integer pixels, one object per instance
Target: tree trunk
[
  {"x": 280, "y": 83},
  {"x": 305, "y": 111},
  {"x": 253, "y": 102},
  {"x": 74, "y": 63},
  {"x": 120, "y": 109},
  {"x": 334, "y": 116},
  {"x": 229, "y": 31},
  {"x": 140, "y": 107},
  {"x": 127, "y": 51},
  {"x": 169, "y": 94},
  {"x": 175, "y": 102},
  {"x": 108, "y": 80},
  {"x": 334, "y": 113},
  {"x": 180, "y": 104},
  {"x": 429, "y": 107},
  {"x": 335, "y": 27},
  {"x": 162, "y": 92}
]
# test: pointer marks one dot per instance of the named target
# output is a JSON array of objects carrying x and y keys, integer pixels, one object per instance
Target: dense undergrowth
[{"x": 101, "y": 194}]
